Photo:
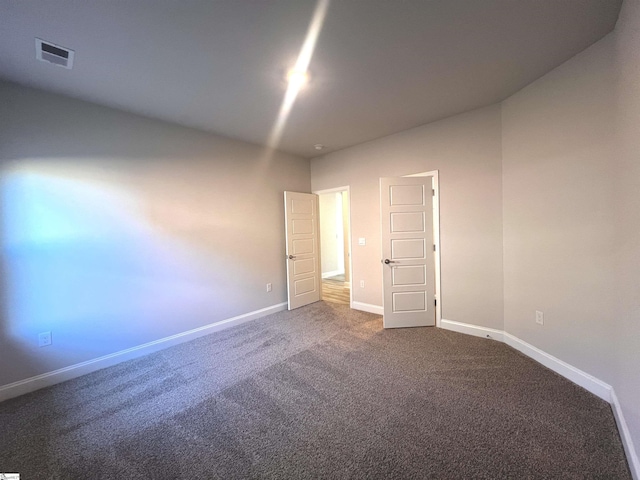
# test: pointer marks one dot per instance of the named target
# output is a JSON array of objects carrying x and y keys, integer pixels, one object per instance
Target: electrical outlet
[
  {"x": 362, "y": 241},
  {"x": 539, "y": 317},
  {"x": 269, "y": 287},
  {"x": 361, "y": 283},
  {"x": 44, "y": 339}
]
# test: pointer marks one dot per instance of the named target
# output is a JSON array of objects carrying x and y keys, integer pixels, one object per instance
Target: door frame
[
  {"x": 435, "y": 182},
  {"x": 336, "y": 190}
]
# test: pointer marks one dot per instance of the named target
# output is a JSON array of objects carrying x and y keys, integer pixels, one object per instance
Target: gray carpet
[{"x": 321, "y": 392}]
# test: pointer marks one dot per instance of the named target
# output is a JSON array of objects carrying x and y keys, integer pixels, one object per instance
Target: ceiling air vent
[{"x": 49, "y": 52}]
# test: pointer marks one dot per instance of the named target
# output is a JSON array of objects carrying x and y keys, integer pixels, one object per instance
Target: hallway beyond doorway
[{"x": 335, "y": 290}]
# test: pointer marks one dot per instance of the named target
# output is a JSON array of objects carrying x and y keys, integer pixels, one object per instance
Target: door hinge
[
  {"x": 434, "y": 248},
  {"x": 435, "y": 302},
  {"x": 433, "y": 192}
]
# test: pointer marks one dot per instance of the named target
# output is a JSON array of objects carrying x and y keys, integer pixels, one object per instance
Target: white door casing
[
  {"x": 302, "y": 248},
  {"x": 406, "y": 212},
  {"x": 347, "y": 229}
]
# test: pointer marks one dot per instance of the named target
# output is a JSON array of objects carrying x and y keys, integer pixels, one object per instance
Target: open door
[
  {"x": 406, "y": 207},
  {"x": 303, "y": 245}
]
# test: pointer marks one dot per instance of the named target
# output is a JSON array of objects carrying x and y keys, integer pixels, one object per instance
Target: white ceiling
[{"x": 380, "y": 66}]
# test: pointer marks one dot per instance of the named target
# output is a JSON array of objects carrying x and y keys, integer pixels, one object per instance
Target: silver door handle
[
  {"x": 291, "y": 257},
  {"x": 387, "y": 261}
]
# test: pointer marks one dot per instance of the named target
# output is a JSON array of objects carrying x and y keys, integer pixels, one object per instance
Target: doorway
[{"x": 335, "y": 244}]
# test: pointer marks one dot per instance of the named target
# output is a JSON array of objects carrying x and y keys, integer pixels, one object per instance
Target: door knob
[
  {"x": 291, "y": 257},
  {"x": 387, "y": 261}
]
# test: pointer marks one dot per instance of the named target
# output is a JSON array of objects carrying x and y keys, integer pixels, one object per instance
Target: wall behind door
[
  {"x": 467, "y": 150},
  {"x": 331, "y": 234}
]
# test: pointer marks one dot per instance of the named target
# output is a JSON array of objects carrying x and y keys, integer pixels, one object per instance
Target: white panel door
[
  {"x": 408, "y": 260},
  {"x": 303, "y": 244}
]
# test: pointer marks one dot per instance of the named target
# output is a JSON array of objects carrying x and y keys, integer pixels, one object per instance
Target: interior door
[
  {"x": 303, "y": 248},
  {"x": 408, "y": 260}
]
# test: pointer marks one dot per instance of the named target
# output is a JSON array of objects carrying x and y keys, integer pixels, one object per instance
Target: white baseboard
[
  {"x": 332, "y": 273},
  {"x": 367, "y": 307},
  {"x": 625, "y": 435},
  {"x": 577, "y": 376},
  {"x": 469, "y": 329},
  {"x": 67, "y": 373}
]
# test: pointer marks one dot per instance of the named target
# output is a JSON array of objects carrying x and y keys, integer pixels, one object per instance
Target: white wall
[
  {"x": 118, "y": 230},
  {"x": 329, "y": 233},
  {"x": 626, "y": 344},
  {"x": 566, "y": 162},
  {"x": 571, "y": 183},
  {"x": 145, "y": 231},
  {"x": 558, "y": 204},
  {"x": 466, "y": 149}
]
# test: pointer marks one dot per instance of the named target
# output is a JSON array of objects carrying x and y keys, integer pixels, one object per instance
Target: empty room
[{"x": 320, "y": 239}]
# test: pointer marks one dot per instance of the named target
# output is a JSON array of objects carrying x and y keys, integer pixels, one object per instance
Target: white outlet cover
[
  {"x": 362, "y": 241},
  {"x": 539, "y": 317},
  {"x": 44, "y": 339}
]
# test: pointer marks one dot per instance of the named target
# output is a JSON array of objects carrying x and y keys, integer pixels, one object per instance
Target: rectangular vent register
[{"x": 49, "y": 52}]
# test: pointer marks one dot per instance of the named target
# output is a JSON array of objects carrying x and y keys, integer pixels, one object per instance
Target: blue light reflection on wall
[
  {"x": 81, "y": 258},
  {"x": 43, "y": 210}
]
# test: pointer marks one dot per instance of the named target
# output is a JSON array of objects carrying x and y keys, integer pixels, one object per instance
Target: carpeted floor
[{"x": 320, "y": 392}]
